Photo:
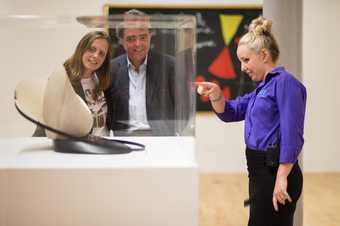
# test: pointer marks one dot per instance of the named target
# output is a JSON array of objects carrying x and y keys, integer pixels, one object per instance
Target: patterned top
[{"x": 97, "y": 106}]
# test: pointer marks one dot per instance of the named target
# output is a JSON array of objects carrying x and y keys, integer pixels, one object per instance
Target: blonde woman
[{"x": 274, "y": 124}]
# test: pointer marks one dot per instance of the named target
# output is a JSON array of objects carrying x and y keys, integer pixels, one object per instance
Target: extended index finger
[
  {"x": 199, "y": 83},
  {"x": 204, "y": 84}
]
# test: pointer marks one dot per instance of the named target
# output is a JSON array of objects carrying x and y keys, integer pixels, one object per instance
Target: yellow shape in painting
[{"x": 229, "y": 25}]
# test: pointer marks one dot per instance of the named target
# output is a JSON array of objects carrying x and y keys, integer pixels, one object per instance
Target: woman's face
[
  {"x": 252, "y": 63},
  {"x": 94, "y": 56},
  {"x": 136, "y": 42}
]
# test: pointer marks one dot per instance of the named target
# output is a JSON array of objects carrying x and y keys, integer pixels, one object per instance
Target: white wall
[
  {"x": 220, "y": 146},
  {"x": 321, "y": 54}
]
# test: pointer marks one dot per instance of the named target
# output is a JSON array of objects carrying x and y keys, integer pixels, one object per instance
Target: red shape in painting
[
  {"x": 237, "y": 40},
  {"x": 204, "y": 98},
  {"x": 222, "y": 66},
  {"x": 200, "y": 78},
  {"x": 226, "y": 92}
]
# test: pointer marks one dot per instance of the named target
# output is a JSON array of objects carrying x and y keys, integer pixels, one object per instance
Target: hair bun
[{"x": 260, "y": 26}]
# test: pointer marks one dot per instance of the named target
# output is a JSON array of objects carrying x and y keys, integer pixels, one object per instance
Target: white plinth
[{"x": 156, "y": 187}]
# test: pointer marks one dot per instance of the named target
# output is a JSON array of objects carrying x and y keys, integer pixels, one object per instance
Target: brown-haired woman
[{"x": 88, "y": 70}]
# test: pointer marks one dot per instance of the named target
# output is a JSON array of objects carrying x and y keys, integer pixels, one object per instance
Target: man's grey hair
[{"x": 131, "y": 15}]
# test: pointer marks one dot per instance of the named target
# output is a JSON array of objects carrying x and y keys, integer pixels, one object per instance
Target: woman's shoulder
[
  {"x": 288, "y": 81},
  {"x": 286, "y": 77}
]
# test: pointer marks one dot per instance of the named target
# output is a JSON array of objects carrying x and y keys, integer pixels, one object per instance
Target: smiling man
[{"x": 143, "y": 82}]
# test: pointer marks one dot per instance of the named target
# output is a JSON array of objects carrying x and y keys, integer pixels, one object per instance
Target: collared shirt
[
  {"x": 274, "y": 113},
  {"x": 137, "y": 101}
]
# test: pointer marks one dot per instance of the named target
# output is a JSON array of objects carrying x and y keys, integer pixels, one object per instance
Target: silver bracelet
[{"x": 217, "y": 99}]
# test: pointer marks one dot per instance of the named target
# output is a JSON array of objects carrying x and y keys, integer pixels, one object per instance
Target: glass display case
[
  {"x": 157, "y": 100},
  {"x": 111, "y": 189}
]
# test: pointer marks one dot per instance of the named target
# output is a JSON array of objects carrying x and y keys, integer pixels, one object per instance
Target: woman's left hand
[{"x": 280, "y": 193}]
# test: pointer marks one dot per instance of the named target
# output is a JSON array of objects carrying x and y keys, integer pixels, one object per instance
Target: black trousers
[{"x": 261, "y": 187}]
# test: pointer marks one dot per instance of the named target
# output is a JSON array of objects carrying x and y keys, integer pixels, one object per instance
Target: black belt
[{"x": 260, "y": 158}]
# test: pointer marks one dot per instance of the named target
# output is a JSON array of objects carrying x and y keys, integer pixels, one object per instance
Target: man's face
[{"x": 136, "y": 42}]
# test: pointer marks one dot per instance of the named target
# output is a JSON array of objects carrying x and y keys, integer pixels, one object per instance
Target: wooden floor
[{"x": 222, "y": 196}]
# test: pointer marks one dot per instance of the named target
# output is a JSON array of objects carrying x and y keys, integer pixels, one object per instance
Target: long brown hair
[{"x": 74, "y": 65}]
